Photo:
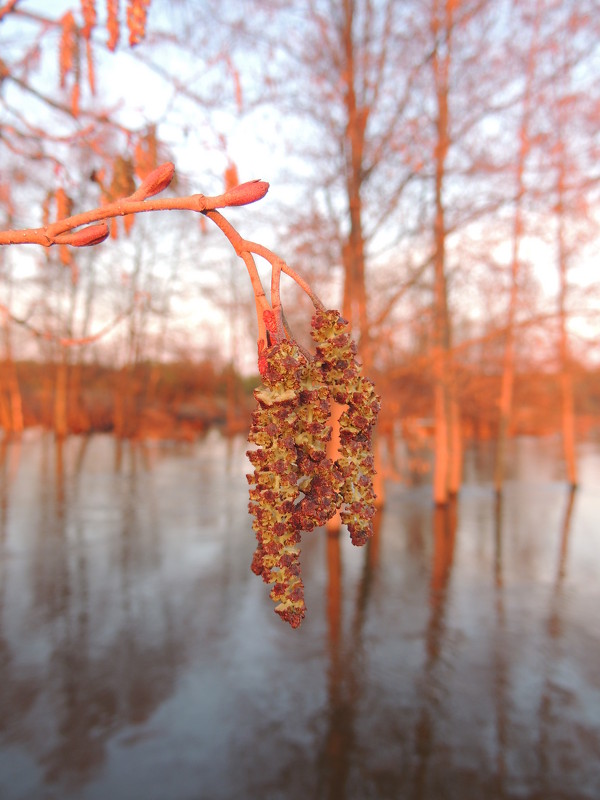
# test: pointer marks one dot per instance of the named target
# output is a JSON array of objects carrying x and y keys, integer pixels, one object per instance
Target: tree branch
[{"x": 134, "y": 204}]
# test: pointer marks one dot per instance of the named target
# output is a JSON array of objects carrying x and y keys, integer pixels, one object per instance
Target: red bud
[
  {"x": 156, "y": 182},
  {"x": 245, "y": 193},
  {"x": 93, "y": 234}
]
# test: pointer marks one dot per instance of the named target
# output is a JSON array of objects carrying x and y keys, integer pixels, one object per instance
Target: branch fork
[{"x": 90, "y": 228}]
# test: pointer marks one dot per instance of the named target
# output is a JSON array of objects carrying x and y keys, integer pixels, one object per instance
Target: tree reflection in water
[
  {"x": 345, "y": 663},
  {"x": 95, "y": 676},
  {"x": 454, "y": 657}
]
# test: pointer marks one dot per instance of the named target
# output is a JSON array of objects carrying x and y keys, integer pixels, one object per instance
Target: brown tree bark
[
  {"x": 570, "y": 156},
  {"x": 566, "y": 375},
  {"x": 61, "y": 384},
  {"x": 508, "y": 366},
  {"x": 11, "y": 404},
  {"x": 444, "y": 421}
]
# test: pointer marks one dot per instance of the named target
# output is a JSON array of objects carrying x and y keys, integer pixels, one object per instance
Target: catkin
[
  {"x": 112, "y": 24},
  {"x": 88, "y": 12},
  {"x": 67, "y": 48},
  {"x": 275, "y": 481},
  {"x": 336, "y": 357},
  {"x": 295, "y": 486},
  {"x": 137, "y": 13}
]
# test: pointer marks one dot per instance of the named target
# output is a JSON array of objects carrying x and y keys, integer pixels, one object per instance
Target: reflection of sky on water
[{"x": 456, "y": 656}]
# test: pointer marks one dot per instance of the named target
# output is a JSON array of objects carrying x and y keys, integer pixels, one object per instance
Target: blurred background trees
[{"x": 434, "y": 172}]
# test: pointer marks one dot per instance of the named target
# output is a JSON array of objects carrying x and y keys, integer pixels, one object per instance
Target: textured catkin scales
[
  {"x": 275, "y": 479},
  {"x": 336, "y": 359},
  {"x": 320, "y": 480},
  {"x": 295, "y": 486}
]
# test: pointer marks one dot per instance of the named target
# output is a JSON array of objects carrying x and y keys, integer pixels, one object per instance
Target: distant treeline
[
  {"x": 537, "y": 399},
  {"x": 182, "y": 399},
  {"x": 160, "y": 400}
]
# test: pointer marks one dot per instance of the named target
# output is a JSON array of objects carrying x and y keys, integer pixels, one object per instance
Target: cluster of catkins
[{"x": 295, "y": 485}]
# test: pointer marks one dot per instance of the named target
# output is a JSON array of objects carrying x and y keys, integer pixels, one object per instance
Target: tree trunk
[
  {"x": 566, "y": 377},
  {"x": 455, "y": 467},
  {"x": 77, "y": 415},
  {"x": 508, "y": 368},
  {"x": 441, "y": 433},
  {"x": 61, "y": 383},
  {"x": 11, "y": 403},
  {"x": 355, "y": 294},
  {"x": 443, "y": 420},
  {"x": 5, "y": 415},
  {"x": 566, "y": 380},
  {"x": 16, "y": 400}
]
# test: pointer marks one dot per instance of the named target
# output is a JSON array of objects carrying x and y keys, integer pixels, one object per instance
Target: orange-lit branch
[
  {"x": 90, "y": 228},
  {"x": 7, "y": 8},
  {"x": 63, "y": 231},
  {"x": 244, "y": 249},
  {"x": 134, "y": 204}
]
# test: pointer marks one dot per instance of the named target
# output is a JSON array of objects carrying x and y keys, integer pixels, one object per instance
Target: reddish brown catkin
[
  {"x": 320, "y": 480},
  {"x": 336, "y": 357},
  {"x": 113, "y": 25},
  {"x": 67, "y": 47},
  {"x": 88, "y": 12},
  {"x": 137, "y": 12},
  {"x": 275, "y": 479}
]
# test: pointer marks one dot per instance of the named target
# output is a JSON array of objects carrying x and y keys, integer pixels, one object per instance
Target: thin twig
[
  {"x": 239, "y": 245},
  {"x": 273, "y": 259},
  {"x": 7, "y": 8},
  {"x": 66, "y": 341}
]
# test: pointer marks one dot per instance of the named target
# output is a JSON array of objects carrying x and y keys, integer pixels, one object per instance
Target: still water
[{"x": 457, "y": 656}]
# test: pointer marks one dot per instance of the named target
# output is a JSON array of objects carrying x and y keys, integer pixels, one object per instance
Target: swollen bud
[
  {"x": 156, "y": 182},
  {"x": 245, "y": 193},
  {"x": 93, "y": 234}
]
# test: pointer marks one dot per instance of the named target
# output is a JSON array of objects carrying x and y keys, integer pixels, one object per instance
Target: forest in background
[
  {"x": 181, "y": 400},
  {"x": 434, "y": 171}
]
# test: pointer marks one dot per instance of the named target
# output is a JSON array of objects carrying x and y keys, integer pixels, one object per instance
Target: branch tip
[
  {"x": 86, "y": 237},
  {"x": 245, "y": 193},
  {"x": 156, "y": 182}
]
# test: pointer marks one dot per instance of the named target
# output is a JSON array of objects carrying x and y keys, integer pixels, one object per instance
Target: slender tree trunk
[
  {"x": 455, "y": 467},
  {"x": 61, "y": 383},
  {"x": 444, "y": 435},
  {"x": 78, "y": 419},
  {"x": 5, "y": 415},
  {"x": 11, "y": 403},
  {"x": 354, "y": 306},
  {"x": 124, "y": 417},
  {"x": 440, "y": 412},
  {"x": 16, "y": 400},
  {"x": 566, "y": 377},
  {"x": 508, "y": 367},
  {"x": 566, "y": 374},
  {"x": 355, "y": 294}
]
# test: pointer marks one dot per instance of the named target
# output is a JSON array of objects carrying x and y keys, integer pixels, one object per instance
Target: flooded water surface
[{"x": 456, "y": 656}]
